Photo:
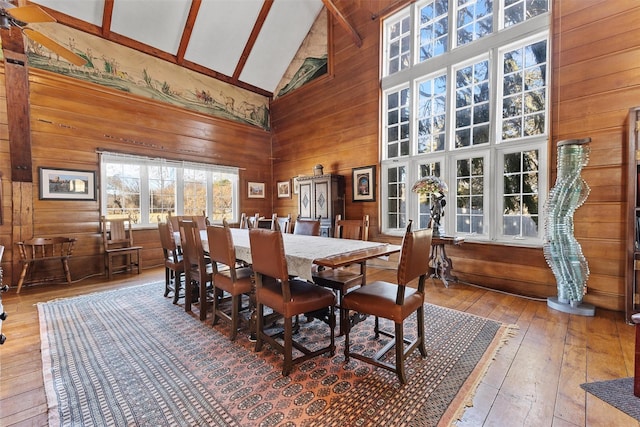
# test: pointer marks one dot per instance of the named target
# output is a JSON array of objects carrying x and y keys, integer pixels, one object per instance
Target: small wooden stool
[{"x": 636, "y": 378}]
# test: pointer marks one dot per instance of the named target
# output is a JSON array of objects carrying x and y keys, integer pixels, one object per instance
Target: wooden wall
[
  {"x": 334, "y": 121},
  {"x": 71, "y": 120},
  {"x": 596, "y": 55}
]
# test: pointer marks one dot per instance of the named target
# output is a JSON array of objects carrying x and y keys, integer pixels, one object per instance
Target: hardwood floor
[{"x": 534, "y": 380}]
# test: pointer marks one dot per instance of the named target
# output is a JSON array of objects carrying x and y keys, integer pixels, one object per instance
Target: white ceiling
[{"x": 220, "y": 32}]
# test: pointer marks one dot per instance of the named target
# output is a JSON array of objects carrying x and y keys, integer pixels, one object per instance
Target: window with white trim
[
  {"x": 149, "y": 189},
  {"x": 467, "y": 101}
]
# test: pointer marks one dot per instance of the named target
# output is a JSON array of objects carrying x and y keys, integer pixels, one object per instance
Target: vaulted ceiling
[{"x": 249, "y": 43}]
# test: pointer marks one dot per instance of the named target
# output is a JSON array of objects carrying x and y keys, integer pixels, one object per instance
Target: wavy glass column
[{"x": 561, "y": 249}]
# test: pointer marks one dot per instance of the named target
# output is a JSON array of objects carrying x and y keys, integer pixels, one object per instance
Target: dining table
[{"x": 303, "y": 252}]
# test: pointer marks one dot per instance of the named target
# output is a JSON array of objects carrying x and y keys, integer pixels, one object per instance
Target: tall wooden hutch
[{"x": 321, "y": 196}]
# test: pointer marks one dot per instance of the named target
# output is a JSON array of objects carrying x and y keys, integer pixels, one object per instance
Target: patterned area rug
[
  {"x": 617, "y": 393},
  {"x": 131, "y": 357}
]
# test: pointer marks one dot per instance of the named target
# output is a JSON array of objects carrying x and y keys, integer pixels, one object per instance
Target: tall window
[
  {"x": 468, "y": 103},
  {"x": 148, "y": 190}
]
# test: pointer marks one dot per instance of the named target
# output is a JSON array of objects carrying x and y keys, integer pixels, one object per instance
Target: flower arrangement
[{"x": 429, "y": 185}]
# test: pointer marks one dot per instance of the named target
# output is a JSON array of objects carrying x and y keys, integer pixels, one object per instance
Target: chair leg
[
  {"x": 23, "y": 274},
  {"x": 259, "y": 326},
  {"x": 400, "y": 353},
  {"x": 177, "y": 285},
  {"x": 346, "y": 330},
  {"x": 422, "y": 344},
  {"x": 215, "y": 305},
  {"x": 67, "y": 272},
  {"x": 235, "y": 313},
  {"x": 167, "y": 281},
  {"x": 288, "y": 346}
]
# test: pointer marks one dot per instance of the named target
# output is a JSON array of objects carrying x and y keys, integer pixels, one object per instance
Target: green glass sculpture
[{"x": 561, "y": 249}]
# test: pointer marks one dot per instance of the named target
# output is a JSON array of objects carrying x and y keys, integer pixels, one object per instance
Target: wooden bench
[{"x": 41, "y": 250}]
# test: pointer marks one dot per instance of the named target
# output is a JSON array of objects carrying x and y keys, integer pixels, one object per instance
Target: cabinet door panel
[
  {"x": 306, "y": 201},
  {"x": 322, "y": 199}
]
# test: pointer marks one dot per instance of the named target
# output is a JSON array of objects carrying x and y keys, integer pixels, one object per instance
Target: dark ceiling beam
[
  {"x": 344, "y": 23},
  {"x": 18, "y": 110},
  {"x": 95, "y": 30},
  {"x": 262, "y": 16},
  {"x": 188, "y": 29}
]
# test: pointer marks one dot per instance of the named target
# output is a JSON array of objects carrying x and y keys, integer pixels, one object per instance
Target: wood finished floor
[{"x": 534, "y": 380}]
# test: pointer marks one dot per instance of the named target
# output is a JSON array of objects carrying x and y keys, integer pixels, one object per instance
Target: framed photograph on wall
[
  {"x": 67, "y": 184},
  {"x": 255, "y": 190},
  {"x": 284, "y": 189},
  {"x": 364, "y": 184}
]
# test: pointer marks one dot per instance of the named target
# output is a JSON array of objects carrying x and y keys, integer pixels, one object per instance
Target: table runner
[{"x": 301, "y": 251}]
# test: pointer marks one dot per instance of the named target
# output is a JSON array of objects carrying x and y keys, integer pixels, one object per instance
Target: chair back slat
[
  {"x": 308, "y": 227},
  {"x": 267, "y": 253},
  {"x": 414, "y": 255},
  {"x": 354, "y": 229},
  {"x": 221, "y": 247}
]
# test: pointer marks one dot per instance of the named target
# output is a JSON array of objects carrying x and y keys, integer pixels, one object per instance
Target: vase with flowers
[{"x": 433, "y": 187}]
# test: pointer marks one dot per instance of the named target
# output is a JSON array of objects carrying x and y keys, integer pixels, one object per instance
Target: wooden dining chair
[
  {"x": 173, "y": 262},
  {"x": 309, "y": 227},
  {"x": 267, "y": 223},
  {"x": 198, "y": 271},
  {"x": 233, "y": 279},
  {"x": 344, "y": 278},
  {"x": 395, "y": 302},
  {"x": 284, "y": 223},
  {"x": 117, "y": 239},
  {"x": 289, "y": 297},
  {"x": 43, "y": 250}
]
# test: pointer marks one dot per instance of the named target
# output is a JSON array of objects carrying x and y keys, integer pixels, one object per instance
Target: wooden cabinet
[
  {"x": 322, "y": 196},
  {"x": 632, "y": 298}
]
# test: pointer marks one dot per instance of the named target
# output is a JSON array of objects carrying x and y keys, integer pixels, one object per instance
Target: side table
[{"x": 439, "y": 261}]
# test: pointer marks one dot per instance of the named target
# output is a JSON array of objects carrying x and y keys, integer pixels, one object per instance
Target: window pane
[
  {"x": 474, "y": 20},
  {"x": 396, "y": 183},
  {"x": 424, "y": 201},
  {"x": 470, "y": 195},
  {"x": 472, "y": 112},
  {"x": 524, "y": 91},
  {"x": 517, "y": 11},
  {"x": 431, "y": 114},
  {"x": 195, "y": 192},
  {"x": 162, "y": 193},
  {"x": 398, "y": 42},
  {"x": 222, "y": 197},
  {"x": 433, "y": 29},
  {"x": 397, "y": 123},
  {"x": 123, "y": 191},
  {"x": 520, "y": 200}
]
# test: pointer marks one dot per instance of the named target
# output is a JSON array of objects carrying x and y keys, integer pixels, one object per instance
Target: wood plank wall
[
  {"x": 71, "y": 120},
  {"x": 335, "y": 122}
]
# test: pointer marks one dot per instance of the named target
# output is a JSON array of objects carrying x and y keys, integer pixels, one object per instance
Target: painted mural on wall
[
  {"x": 310, "y": 62},
  {"x": 125, "y": 69}
]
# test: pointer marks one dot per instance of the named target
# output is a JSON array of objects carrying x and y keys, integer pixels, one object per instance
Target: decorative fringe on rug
[{"x": 464, "y": 398}]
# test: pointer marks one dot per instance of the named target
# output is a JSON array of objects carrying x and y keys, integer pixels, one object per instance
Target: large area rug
[
  {"x": 617, "y": 393},
  {"x": 130, "y": 357}
]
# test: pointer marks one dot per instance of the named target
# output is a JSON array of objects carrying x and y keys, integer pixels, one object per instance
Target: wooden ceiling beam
[
  {"x": 107, "y": 14},
  {"x": 262, "y": 16},
  {"x": 188, "y": 29},
  {"x": 344, "y": 23}
]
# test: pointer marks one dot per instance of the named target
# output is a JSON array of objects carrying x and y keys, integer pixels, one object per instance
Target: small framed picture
[
  {"x": 296, "y": 184},
  {"x": 67, "y": 184},
  {"x": 255, "y": 190},
  {"x": 284, "y": 189},
  {"x": 364, "y": 184}
]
